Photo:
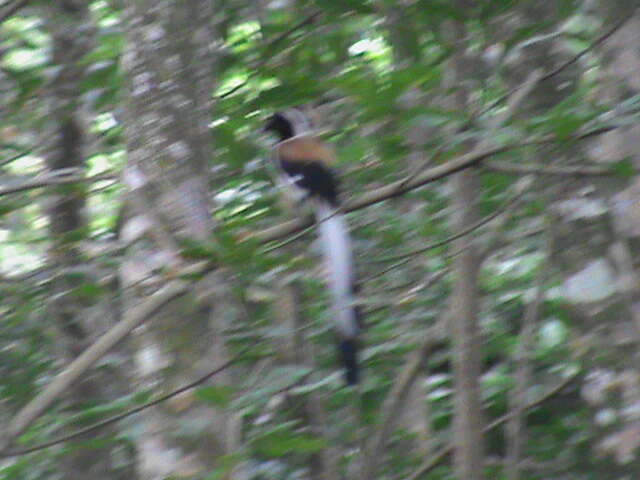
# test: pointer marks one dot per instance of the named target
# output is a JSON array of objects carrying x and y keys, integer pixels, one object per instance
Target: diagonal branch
[
  {"x": 392, "y": 407},
  {"x": 30, "y": 412},
  {"x": 54, "y": 180},
  {"x": 552, "y": 170},
  {"x": 400, "y": 187}
]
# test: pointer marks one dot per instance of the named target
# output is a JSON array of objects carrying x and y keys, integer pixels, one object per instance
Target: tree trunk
[
  {"x": 169, "y": 67},
  {"x": 467, "y": 434},
  {"x": 77, "y": 322}
]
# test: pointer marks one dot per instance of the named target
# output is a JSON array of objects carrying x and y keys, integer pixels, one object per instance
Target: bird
[{"x": 305, "y": 163}]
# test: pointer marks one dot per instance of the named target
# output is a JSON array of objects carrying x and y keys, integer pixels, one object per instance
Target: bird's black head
[{"x": 281, "y": 125}]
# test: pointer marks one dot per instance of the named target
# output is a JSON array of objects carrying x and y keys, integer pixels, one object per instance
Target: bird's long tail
[{"x": 336, "y": 248}]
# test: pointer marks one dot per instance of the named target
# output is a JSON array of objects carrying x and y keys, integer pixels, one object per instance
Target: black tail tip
[{"x": 349, "y": 353}]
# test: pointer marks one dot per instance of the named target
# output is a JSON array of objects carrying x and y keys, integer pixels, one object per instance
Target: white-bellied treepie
[{"x": 305, "y": 163}]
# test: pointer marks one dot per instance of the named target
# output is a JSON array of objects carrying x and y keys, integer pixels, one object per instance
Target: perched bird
[{"x": 305, "y": 163}]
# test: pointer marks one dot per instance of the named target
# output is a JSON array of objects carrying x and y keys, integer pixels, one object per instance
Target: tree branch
[
  {"x": 430, "y": 175},
  {"x": 30, "y": 412},
  {"x": 54, "y": 180},
  {"x": 507, "y": 167}
]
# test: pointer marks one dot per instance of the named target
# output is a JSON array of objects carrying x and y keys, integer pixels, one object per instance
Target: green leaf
[
  {"x": 110, "y": 46},
  {"x": 413, "y": 75},
  {"x": 346, "y": 6},
  {"x": 226, "y": 464},
  {"x": 218, "y": 395},
  {"x": 89, "y": 291},
  {"x": 288, "y": 94},
  {"x": 564, "y": 126},
  {"x": 100, "y": 74},
  {"x": 28, "y": 82},
  {"x": 440, "y": 9},
  {"x": 10, "y": 206},
  {"x": 282, "y": 440},
  {"x": 569, "y": 116},
  {"x": 192, "y": 248},
  {"x": 624, "y": 168}
]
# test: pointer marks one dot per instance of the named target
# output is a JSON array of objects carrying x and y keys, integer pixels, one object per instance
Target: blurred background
[{"x": 488, "y": 159}]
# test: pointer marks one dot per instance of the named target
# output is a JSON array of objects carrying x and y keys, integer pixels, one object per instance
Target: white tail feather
[{"x": 336, "y": 247}]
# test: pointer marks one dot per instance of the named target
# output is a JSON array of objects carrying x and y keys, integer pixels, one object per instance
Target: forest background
[{"x": 163, "y": 313}]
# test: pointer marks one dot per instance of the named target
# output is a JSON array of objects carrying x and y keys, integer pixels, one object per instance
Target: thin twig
[
  {"x": 313, "y": 223},
  {"x": 292, "y": 238},
  {"x": 15, "y": 157},
  {"x": 432, "y": 280},
  {"x": 570, "y": 171},
  {"x": 51, "y": 181}
]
